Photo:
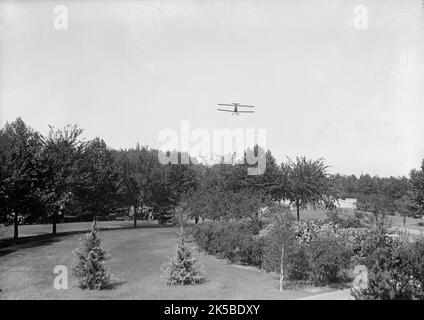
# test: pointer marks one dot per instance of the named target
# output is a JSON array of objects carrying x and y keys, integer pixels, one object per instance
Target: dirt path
[{"x": 137, "y": 254}]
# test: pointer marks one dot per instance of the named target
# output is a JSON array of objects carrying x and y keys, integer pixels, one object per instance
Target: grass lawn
[
  {"x": 26, "y": 271},
  {"x": 39, "y": 229}
]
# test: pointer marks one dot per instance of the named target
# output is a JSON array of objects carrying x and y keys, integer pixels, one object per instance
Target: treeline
[
  {"x": 402, "y": 195},
  {"x": 45, "y": 177}
]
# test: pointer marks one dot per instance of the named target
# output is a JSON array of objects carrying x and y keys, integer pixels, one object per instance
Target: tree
[
  {"x": 416, "y": 178},
  {"x": 308, "y": 183},
  {"x": 19, "y": 147},
  {"x": 183, "y": 269},
  {"x": 96, "y": 178},
  {"x": 368, "y": 185},
  {"x": 61, "y": 150},
  {"x": 138, "y": 169},
  {"x": 377, "y": 204},
  {"x": 271, "y": 183},
  {"x": 90, "y": 262},
  {"x": 180, "y": 179}
]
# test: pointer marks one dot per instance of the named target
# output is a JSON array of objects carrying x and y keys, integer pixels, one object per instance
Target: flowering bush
[
  {"x": 322, "y": 253},
  {"x": 309, "y": 231}
]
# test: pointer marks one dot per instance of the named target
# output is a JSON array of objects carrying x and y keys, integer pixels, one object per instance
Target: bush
[
  {"x": 395, "y": 268},
  {"x": 183, "y": 269},
  {"x": 90, "y": 260},
  {"x": 295, "y": 260},
  {"x": 316, "y": 252},
  {"x": 236, "y": 242},
  {"x": 358, "y": 214},
  {"x": 328, "y": 259},
  {"x": 321, "y": 253},
  {"x": 350, "y": 223},
  {"x": 347, "y": 222}
]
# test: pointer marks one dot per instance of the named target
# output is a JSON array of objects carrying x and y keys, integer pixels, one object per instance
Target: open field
[{"x": 26, "y": 272}]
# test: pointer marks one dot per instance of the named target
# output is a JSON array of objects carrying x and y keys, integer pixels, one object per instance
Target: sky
[{"x": 127, "y": 70}]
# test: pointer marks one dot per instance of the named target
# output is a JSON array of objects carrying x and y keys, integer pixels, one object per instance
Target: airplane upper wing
[
  {"x": 225, "y": 110},
  {"x": 245, "y": 106},
  {"x": 225, "y": 104}
]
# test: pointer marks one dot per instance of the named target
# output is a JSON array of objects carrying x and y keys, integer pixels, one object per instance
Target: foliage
[
  {"x": 395, "y": 268},
  {"x": 183, "y": 269},
  {"x": 138, "y": 171},
  {"x": 318, "y": 253},
  {"x": 19, "y": 172},
  {"x": 60, "y": 152},
  {"x": 215, "y": 203},
  {"x": 275, "y": 236},
  {"x": 233, "y": 241},
  {"x": 90, "y": 263},
  {"x": 394, "y": 191},
  {"x": 96, "y": 178},
  {"x": 416, "y": 178},
  {"x": 328, "y": 258},
  {"x": 307, "y": 183},
  {"x": 347, "y": 222}
]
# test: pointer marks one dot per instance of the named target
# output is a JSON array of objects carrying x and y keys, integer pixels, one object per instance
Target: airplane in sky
[{"x": 235, "y": 110}]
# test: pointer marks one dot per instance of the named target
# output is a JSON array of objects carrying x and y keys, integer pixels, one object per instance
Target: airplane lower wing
[
  {"x": 225, "y": 110},
  {"x": 245, "y": 111}
]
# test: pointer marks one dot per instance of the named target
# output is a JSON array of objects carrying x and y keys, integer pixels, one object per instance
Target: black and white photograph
[{"x": 211, "y": 150}]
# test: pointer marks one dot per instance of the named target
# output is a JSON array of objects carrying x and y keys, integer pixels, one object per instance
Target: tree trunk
[
  {"x": 298, "y": 210},
  {"x": 282, "y": 266},
  {"x": 54, "y": 221},
  {"x": 135, "y": 216},
  {"x": 15, "y": 226}
]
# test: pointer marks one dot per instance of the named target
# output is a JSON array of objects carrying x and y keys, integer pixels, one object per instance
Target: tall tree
[
  {"x": 137, "y": 171},
  {"x": 97, "y": 178},
  {"x": 61, "y": 150},
  {"x": 19, "y": 146},
  {"x": 308, "y": 183}
]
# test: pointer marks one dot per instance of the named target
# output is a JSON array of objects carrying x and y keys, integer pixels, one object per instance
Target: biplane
[{"x": 235, "y": 108}]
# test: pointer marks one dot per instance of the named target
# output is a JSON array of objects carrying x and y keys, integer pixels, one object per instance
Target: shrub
[
  {"x": 316, "y": 252},
  {"x": 358, "y": 214},
  {"x": 90, "y": 260},
  {"x": 3, "y": 232},
  {"x": 328, "y": 259},
  {"x": 233, "y": 241},
  {"x": 350, "y": 223},
  {"x": 347, "y": 222},
  {"x": 295, "y": 260},
  {"x": 395, "y": 268},
  {"x": 183, "y": 269}
]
